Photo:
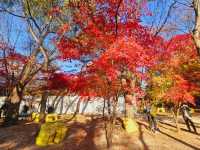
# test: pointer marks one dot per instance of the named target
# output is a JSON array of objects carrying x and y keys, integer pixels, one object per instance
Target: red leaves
[
  {"x": 177, "y": 53},
  {"x": 112, "y": 74},
  {"x": 126, "y": 45},
  {"x": 59, "y": 81},
  {"x": 181, "y": 49},
  {"x": 97, "y": 25},
  {"x": 180, "y": 91},
  {"x": 64, "y": 28},
  {"x": 17, "y": 57},
  {"x": 68, "y": 49},
  {"x": 73, "y": 83},
  {"x": 125, "y": 53}
]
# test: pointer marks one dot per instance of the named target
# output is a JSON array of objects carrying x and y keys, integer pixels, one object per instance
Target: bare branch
[
  {"x": 196, "y": 31},
  {"x": 184, "y": 4},
  {"x": 31, "y": 16},
  {"x": 116, "y": 16},
  {"x": 42, "y": 49},
  {"x": 166, "y": 18},
  {"x": 11, "y": 13}
]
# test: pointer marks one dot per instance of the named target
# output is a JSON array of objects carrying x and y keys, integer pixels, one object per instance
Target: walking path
[{"x": 90, "y": 135}]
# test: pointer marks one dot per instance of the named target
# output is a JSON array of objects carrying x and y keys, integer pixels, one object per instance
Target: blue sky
[
  {"x": 181, "y": 17},
  {"x": 16, "y": 36}
]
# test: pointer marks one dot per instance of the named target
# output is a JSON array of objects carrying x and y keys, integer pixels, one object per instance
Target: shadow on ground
[{"x": 90, "y": 135}]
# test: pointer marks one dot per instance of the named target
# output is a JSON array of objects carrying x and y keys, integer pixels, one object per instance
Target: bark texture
[{"x": 196, "y": 31}]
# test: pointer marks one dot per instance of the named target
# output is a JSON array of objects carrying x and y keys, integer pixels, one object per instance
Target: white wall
[{"x": 94, "y": 106}]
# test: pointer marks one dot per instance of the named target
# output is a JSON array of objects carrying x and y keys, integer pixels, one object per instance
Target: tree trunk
[
  {"x": 109, "y": 107},
  {"x": 85, "y": 106},
  {"x": 55, "y": 106},
  {"x": 196, "y": 31},
  {"x": 70, "y": 105},
  {"x": 111, "y": 125},
  {"x": 11, "y": 117},
  {"x": 175, "y": 115},
  {"x": 129, "y": 105},
  {"x": 55, "y": 100},
  {"x": 76, "y": 111},
  {"x": 104, "y": 105},
  {"x": 61, "y": 105},
  {"x": 43, "y": 106},
  {"x": 177, "y": 124},
  {"x": 12, "y": 110},
  {"x": 129, "y": 99}
]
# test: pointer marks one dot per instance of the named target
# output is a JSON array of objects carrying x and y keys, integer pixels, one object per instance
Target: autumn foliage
[
  {"x": 117, "y": 57},
  {"x": 122, "y": 53},
  {"x": 119, "y": 48}
]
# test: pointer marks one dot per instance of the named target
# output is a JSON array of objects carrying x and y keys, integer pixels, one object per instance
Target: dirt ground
[{"x": 90, "y": 135}]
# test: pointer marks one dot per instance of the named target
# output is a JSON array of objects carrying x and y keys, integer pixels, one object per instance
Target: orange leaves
[
  {"x": 63, "y": 29},
  {"x": 126, "y": 53},
  {"x": 174, "y": 60},
  {"x": 180, "y": 91},
  {"x": 181, "y": 49}
]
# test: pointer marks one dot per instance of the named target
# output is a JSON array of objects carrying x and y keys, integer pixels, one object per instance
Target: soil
[{"x": 89, "y": 134}]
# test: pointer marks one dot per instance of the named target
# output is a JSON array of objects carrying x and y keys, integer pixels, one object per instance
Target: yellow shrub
[
  {"x": 35, "y": 117},
  {"x": 60, "y": 134},
  {"x": 130, "y": 125},
  {"x": 192, "y": 110},
  {"x": 51, "y": 133},
  {"x": 161, "y": 110},
  {"x": 51, "y": 118}
]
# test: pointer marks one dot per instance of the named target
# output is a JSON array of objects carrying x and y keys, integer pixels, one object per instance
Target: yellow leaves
[
  {"x": 66, "y": 2},
  {"x": 161, "y": 80},
  {"x": 157, "y": 80},
  {"x": 194, "y": 65},
  {"x": 160, "y": 85}
]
